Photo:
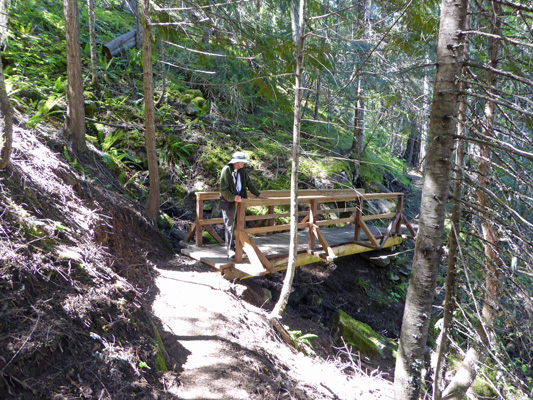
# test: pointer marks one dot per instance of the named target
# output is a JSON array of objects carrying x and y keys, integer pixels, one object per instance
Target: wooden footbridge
[{"x": 332, "y": 223}]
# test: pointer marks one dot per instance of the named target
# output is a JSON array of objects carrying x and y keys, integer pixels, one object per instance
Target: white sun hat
[{"x": 238, "y": 157}]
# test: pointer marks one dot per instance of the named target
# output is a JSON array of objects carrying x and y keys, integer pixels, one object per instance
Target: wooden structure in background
[{"x": 332, "y": 223}]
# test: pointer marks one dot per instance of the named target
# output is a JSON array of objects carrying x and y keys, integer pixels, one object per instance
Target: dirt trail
[
  {"x": 200, "y": 313},
  {"x": 228, "y": 351}
]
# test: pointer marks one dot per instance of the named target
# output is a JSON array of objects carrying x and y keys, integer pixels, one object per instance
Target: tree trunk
[
  {"x": 121, "y": 44},
  {"x": 293, "y": 247},
  {"x": 75, "y": 120},
  {"x": 92, "y": 40},
  {"x": 453, "y": 249},
  {"x": 466, "y": 374},
  {"x": 356, "y": 151},
  {"x": 137, "y": 25},
  {"x": 6, "y": 119},
  {"x": 435, "y": 194},
  {"x": 317, "y": 98},
  {"x": 295, "y": 21},
  {"x": 424, "y": 131},
  {"x": 413, "y": 147},
  {"x": 154, "y": 197}
]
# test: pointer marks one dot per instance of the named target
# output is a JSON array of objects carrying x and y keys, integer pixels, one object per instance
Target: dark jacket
[{"x": 227, "y": 184}]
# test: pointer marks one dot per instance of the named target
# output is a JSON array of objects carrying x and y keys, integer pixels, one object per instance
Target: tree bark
[
  {"x": 154, "y": 196},
  {"x": 453, "y": 250},
  {"x": 435, "y": 195},
  {"x": 356, "y": 151},
  {"x": 137, "y": 26},
  {"x": 466, "y": 374},
  {"x": 317, "y": 98},
  {"x": 6, "y": 120},
  {"x": 293, "y": 246},
  {"x": 75, "y": 120},
  {"x": 92, "y": 41}
]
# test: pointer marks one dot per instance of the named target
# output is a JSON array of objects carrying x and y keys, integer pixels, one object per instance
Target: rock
[
  {"x": 164, "y": 221},
  {"x": 256, "y": 295},
  {"x": 381, "y": 206},
  {"x": 90, "y": 108},
  {"x": 358, "y": 335},
  {"x": 378, "y": 258},
  {"x": 191, "y": 111},
  {"x": 177, "y": 234}
]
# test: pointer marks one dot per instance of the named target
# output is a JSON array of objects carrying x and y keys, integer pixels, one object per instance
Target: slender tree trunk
[
  {"x": 317, "y": 98},
  {"x": 424, "y": 131},
  {"x": 453, "y": 250},
  {"x": 466, "y": 374},
  {"x": 92, "y": 40},
  {"x": 356, "y": 151},
  {"x": 435, "y": 195},
  {"x": 293, "y": 246},
  {"x": 295, "y": 21},
  {"x": 138, "y": 38},
  {"x": 75, "y": 120},
  {"x": 154, "y": 197},
  {"x": 6, "y": 119}
]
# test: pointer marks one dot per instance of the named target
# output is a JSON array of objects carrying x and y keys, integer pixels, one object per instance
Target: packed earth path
[{"x": 225, "y": 349}]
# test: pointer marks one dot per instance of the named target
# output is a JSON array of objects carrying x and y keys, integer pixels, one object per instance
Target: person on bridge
[{"x": 234, "y": 182}]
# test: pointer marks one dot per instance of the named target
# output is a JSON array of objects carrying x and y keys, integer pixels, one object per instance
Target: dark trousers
[{"x": 228, "y": 214}]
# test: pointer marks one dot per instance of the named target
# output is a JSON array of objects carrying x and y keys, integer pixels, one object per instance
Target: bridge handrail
[{"x": 313, "y": 197}]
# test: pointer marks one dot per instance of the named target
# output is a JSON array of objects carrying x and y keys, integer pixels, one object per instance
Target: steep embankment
[
  {"x": 90, "y": 292},
  {"x": 74, "y": 256}
]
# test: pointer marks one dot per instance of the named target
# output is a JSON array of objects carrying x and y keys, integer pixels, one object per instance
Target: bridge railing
[{"x": 312, "y": 218}]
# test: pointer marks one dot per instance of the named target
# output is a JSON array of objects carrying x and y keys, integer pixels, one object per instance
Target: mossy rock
[
  {"x": 198, "y": 102},
  {"x": 358, "y": 335},
  {"x": 90, "y": 108},
  {"x": 194, "y": 92},
  {"x": 164, "y": 221}
]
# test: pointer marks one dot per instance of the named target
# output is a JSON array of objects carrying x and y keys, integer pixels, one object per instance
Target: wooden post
[
  {"x": 399, "y": 209},
  {"x": 358, "y": 215},
  {"x": 312, "y": 218},
  {"x": 199, "y": 216},
  {"x": 239, "y": 227},
  {"x": 271, "y": 220}
]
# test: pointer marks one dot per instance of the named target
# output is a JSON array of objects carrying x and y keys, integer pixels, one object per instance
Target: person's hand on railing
[{"x": 238, "y": 198}]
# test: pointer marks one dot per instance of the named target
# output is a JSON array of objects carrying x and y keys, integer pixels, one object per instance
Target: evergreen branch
[
  {"x": 516, "y": 6},
  {"x": 217, "y": 5},
  {"x": 206, "y": 53},
  {"x": 501, "y": 37}
]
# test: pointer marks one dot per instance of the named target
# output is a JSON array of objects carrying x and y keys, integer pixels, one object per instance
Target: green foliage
[
  {"x": 174, "y": 152},
  {"x": 46, "y": 108},
  {"x": 376, "y": 162}
]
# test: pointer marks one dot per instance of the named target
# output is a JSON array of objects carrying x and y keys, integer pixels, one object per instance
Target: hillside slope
[{"x": 91, "y": 291}]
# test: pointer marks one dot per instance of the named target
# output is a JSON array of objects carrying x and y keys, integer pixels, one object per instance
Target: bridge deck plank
[{"x": 275, "y": 248}]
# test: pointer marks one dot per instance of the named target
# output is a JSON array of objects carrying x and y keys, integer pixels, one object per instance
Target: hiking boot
[{"x": 231, "y": 254}]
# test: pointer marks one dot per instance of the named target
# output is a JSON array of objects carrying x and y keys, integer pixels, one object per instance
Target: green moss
[
  {"x": 358, "y": 335},
  {"x": 160, "y": 363},
  {"x": 164, "y": 221},
  {"x": 483, "y": 389}
]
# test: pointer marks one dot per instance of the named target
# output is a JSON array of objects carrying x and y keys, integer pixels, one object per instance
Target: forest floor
[{"x": 87, "y": 286}]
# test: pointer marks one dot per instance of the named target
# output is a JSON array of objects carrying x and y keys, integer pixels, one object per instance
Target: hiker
[{"x": 234, "y": 181}]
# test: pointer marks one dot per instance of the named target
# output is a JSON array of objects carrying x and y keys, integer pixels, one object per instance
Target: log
[{"x": 120, "y": 44}]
